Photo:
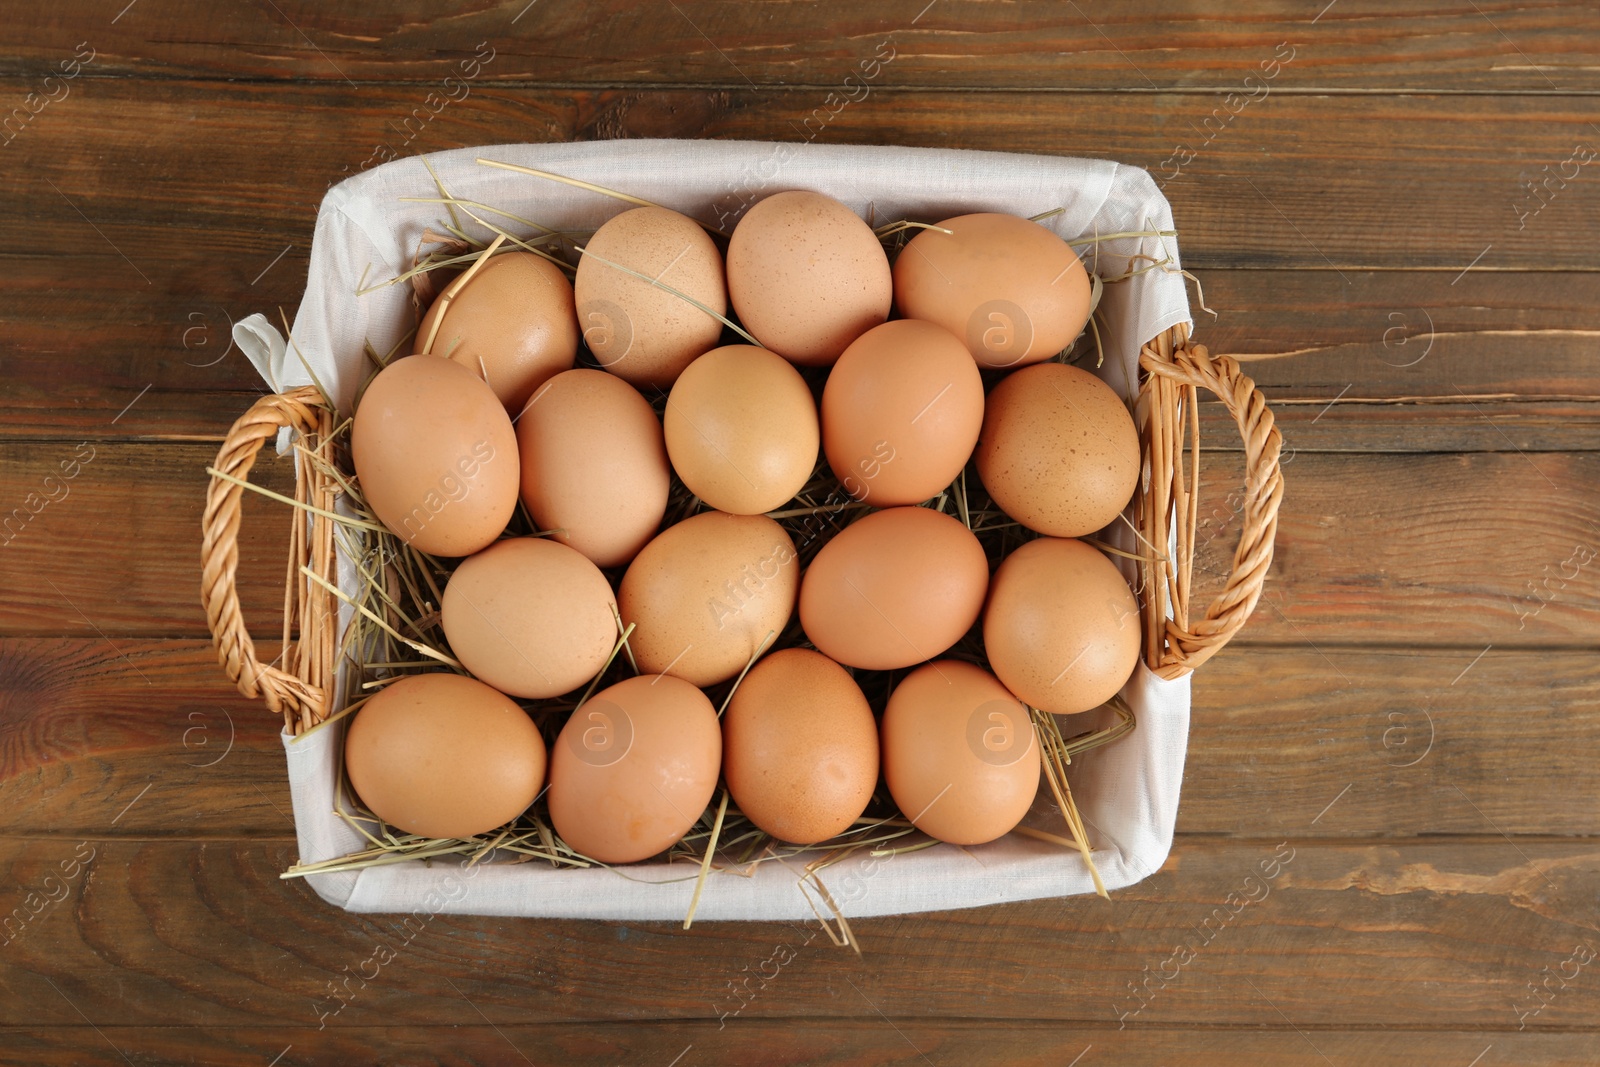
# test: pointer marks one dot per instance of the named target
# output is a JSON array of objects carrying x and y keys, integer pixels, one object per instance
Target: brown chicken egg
[
  {"x": 1058, "y": 450},
  {"x": 800, "y": 747},
  {"x": 531, "y": 617},
  {"x": 638, "y": 330},
  {"x": 741, "y": 429},
  {"x": 706, "y": 594},
  {"x": 959, "y": 753},
  {"x": 1061, "y": 627},
  {"x": 435, "y": 455},
  {"x": 894, "y": 588},
  {"x": 634, "y": 768},
  {"x": 901, "y": 412},
  {"x": 594, "y": 466},
  {"x": 1010, "y": 288},
  {"x": 442, "y": 755},
  {"x": 807, "y": 276},
  {"x": 512, "y": 324}
]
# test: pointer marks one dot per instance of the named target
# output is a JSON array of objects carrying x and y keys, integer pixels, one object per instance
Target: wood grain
[
  {"x": 1442, "y": 189},
  {"x": 1421, "y": 550},
  {"x": 870, "y": 1042},
  {"x": 1367, "y": 425},
  {"x": 1407, "y": 741},
  {"x": 1407, "y": 333},
  {"x": 1504, "y": 47},
  {"x": 205, "y": 934},
  {"x": 1427, "y": 742},
  {"x": 175, "y": 375},
  {"x": 1385, "y": 361},
  {"x": 117, "y": 551},
  {"x": 147, "y": 737}
]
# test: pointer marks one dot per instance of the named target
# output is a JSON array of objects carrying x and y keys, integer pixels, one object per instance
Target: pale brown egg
[
  {"x": 531, "y": 617},
  {"x": 435, "y": 455},
  {"x": 1010, "y": 288},
  {"x": 741, "y": 429},
  {"x": 901, "y": 412},
  {"x": 705, "y": 594},
  {"x": 512, "y": 324},
  {"x": 1061, "y": 627},
  {"x": 959, "y": 753},
  {"x": 807, "y": 276},
  {"x": 442, "y": 755},
  {"x": 594, "y": 466},
  {"x": 1058, "y": 450},
  {"x": 800, "y": 747},
  {"x": 638, "y": 330},
  {"x": 634, "y": 768},
  {"x": 894, "y": 588}
]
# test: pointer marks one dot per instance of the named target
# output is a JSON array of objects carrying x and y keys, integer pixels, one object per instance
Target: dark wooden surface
[{"x": 1414, "y": 710}]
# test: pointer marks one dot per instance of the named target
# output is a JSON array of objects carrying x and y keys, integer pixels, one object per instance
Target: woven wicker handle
[
  {"x": 1175, "y": 371},
  {"x": 284, "y": 692}
]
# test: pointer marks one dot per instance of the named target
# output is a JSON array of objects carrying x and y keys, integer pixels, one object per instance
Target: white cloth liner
[{"x": 1127, "y": 792}]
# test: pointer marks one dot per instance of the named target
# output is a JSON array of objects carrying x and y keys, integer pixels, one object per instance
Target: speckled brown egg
[
  {"x": 1061, "y": 628},
  {"x": 894, "y": 588},
  {"x": 1010, "y": 288},
  {"x": 901, "y": 412},
  {"x": 706, "y": 593},
  {"x": 634, "y": 768},
  {"x": 594, "y": 466},
  {"x": 807, "y": 276},
  {"x": 741, "y": 429},
  {"x": 959, "y": 753},
  {"x": 443, "y": 755},
  {"x": 512, "y": 324},
  {"x": 1058, "y": 450},
  {"x": 435, "y": 455},
  {"x": 637, "y": 330},
  {"x": 800, "y": 747},
  {"x": 530, "y": 616}
]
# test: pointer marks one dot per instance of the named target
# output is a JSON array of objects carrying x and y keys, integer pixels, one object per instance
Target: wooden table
[{"x": 1394, "y": 219}]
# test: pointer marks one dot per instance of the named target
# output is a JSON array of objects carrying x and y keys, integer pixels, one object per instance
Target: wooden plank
[
  {"x": 1310, "y": 338},
  {"x": 758, "y": 1042},
  {"x": 1418, "y": 550},
  {"x": 115, "y": 550},
  {"x": 1504, "y": 47},
  {"x": 1402, "y": 550},
  {"x": 1412, "y": 361},
  {"x": 1347, "y": 425},
  {"x": 1407, "y": 333},
  {"x": 1420, "y": 935},
  {"x": 90, "y": 728},
  {"x": 94, "y": 353},
  {"x": 143, "y": 737},
  {"x": 1410, "y": 742},
  {"x": 1442, "y": 192}
]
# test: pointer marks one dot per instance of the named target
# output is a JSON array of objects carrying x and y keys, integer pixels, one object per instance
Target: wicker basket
[
  {"x": 1172, "y": 372},
  {"x": 1166, "y": 510}
]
